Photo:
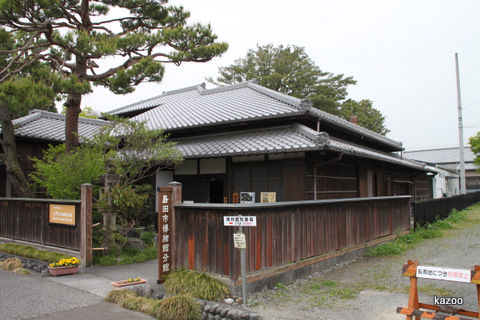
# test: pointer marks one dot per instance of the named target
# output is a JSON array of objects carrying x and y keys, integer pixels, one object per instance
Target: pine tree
[{"x": 76, "y": 36}]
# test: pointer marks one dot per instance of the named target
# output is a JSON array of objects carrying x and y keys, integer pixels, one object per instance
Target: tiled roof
[
  {"x": 441, "y": 155},
  {"x": 294, "y": 138},
  {"x": 196, "y": 107},
  {"x": 352, "y": 149},
  {"x": 50, "y": 126},
  {"x": 165, "y": 97},
  {"x": 282, "y": 139},
  {"x": 325, "y": 116},
  {"x": 223, "y": 105}
]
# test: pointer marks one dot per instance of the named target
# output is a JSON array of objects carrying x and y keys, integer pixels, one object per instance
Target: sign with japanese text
[
  {"x": 61, "y": 214},
  {"x": 439, "y": 273},
  {"x": 240, "y": 221},
  {"x": 164, "y": 233},
  {"x": 239, "y": 240}
]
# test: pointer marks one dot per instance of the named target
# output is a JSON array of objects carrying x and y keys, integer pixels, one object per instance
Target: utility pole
[{"x": 460, "y": 130}]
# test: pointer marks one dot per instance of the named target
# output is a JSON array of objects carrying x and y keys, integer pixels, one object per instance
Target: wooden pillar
[{"x": 86, "y": 225}]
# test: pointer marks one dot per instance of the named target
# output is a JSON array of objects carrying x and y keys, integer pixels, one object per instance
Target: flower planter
[
  {"x": 60, "y": 271},
  {"x": 124, "y": 283}
]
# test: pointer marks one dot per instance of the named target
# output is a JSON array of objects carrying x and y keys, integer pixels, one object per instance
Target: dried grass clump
[
  {"x": 22, "y": 271},
  {"x": 178, "y": 307},
  {"x": 11, "y": 264},
  {"x": 198, "y": 284},
  {"x": 172, "y": 308}
]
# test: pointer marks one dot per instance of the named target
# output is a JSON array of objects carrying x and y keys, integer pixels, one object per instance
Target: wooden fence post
[
  {"x": 86, "y": 225},
  {"x": 176, "y": 198},
  {"x": 167, "y": 198}
]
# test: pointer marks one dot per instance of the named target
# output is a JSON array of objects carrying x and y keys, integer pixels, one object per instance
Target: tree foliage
[
  {"x": 288, "y": 69},
  {"x": 75, "y": 36},
  {"x": 24, "y": 84},
  {"x": 123, "y": 154},
  {"x": 368, "y": 116},
  {"x": 475, "y": 146},
  {"x": 62, "y": 173}
]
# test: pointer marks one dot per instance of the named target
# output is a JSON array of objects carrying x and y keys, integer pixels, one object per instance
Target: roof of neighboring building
[
  {"x": 44, "y": 125},
  {"x": 283, "y": 139},
  {"x": 195, "y": 106},
  {"x": 449, "y": 158},
  {"x": 440, "y": 155}
]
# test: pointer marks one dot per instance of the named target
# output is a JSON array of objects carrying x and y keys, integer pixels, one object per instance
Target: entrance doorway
[{"x": 216, "y": 191}]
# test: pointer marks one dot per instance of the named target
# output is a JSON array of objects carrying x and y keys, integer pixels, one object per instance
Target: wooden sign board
[
  {"x": 61, "y": 214},
  {"x": 268, "y": 197}
]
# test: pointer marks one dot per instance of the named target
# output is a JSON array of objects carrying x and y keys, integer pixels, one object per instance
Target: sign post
[
  {"x": 239, "y": 242},
  {"x": 164, "y": 233}
]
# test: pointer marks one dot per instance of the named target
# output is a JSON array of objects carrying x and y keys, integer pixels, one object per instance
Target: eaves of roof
[{"x": 284, "y": 139}]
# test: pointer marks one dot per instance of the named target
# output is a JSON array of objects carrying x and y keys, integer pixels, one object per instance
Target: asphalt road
[{"x": 37, "y": 297}]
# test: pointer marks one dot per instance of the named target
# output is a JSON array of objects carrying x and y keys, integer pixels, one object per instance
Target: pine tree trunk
[
  {"x": 12, "y": 164},
  {"x": 71, "y": 121},
  {"x": 109, "y": 218}
]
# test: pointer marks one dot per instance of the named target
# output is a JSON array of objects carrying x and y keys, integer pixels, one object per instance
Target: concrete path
[{"x": 73, "y": 297}]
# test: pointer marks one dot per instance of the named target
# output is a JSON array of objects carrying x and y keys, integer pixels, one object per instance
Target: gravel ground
[{"x": 372, "y": 288}]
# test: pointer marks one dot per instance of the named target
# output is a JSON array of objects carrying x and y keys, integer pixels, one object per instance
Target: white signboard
[
  {"x": 239, "y": 240},
  {"x": 439, "y": 273},
  {"x": 247, "y": 197},
  {"x": 237, "y": 221}
]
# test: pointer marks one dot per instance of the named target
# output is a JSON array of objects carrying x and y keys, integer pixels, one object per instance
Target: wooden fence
[
  {"x": 427, "y": 211},
  {"x": 286, "y": 232},
  {"x": 27, "y": 220}
]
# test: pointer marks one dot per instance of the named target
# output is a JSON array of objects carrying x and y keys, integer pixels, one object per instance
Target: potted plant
[
  {"x": 64, "y": 266},
  {"x": 128, "y": 282}
]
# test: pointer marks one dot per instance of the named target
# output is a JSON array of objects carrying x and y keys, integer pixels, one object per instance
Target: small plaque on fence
[
  {"x": 239, "y": 240},
  {"x": 61, "y": 214}
]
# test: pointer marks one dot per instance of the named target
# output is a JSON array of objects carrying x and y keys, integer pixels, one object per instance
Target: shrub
[
  {"x": 31, "y": 252},
  {"x": 148, "y": 238},
  {"x": 198, "y": 284}
]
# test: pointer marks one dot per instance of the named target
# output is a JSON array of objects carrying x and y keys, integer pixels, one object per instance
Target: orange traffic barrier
[{"x": 443, "y": 310}]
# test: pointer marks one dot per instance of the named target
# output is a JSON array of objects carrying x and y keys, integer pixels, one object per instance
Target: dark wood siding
[
  {"x": 28, "y": 221},
  {"x": 285, "y": 233}
]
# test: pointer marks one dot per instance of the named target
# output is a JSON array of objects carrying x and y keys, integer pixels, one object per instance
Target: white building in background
[
  {"x": 447, "y": 160},
  {"x": 446, "y": 183}
]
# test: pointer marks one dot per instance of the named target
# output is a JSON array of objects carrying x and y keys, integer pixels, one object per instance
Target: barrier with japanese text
[{"x": 441, "y": 305}]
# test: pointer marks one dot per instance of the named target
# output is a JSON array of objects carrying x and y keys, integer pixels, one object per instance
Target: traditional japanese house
[{"x": 248, "y": 138}]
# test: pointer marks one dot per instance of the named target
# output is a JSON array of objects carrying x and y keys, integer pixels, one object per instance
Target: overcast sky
[{"x": 400, "y": 52}]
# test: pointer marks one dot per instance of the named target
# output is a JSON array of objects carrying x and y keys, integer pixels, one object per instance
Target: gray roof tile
[
  {"x": 50, "y": 126},
  {"x": 196, "y": 107},
  {"x": 352, "y": 149},
  {"x": 219, "y": 106},
  {"x": 441, "y": 155},
  {"x": 284, "y": 139},
  {"x": 165, "y": 97},
  {"x": 259, "y": 141}
]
